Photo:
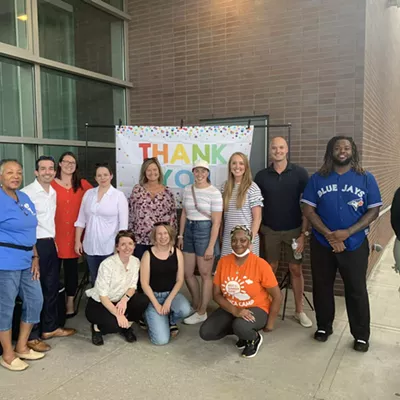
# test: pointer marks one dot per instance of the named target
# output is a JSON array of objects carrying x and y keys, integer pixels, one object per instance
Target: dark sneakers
[
  {"x": 240, "y": 344},
  {"x": 128, "y": 334},
  {"x": 97, "y": 337},
  {"x": 321, "y": 335},
  {"x": 252, "y": 347},
  {"x": 361, "y": 345}
]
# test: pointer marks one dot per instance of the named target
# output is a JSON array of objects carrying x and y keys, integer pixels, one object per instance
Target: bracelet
[
  {"x": 35, "y": 257},
  {"x": 180, "y": 236},
  {"x": 127, "y": 295}
]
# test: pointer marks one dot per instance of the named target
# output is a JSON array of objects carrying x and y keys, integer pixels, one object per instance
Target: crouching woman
[
  {"x": 244, "y": 285},
  {"x": 162, "y": 276},
  {"x": 113, "y": 301}
]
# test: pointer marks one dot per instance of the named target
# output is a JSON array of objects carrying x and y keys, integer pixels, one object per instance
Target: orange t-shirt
[{"x": 244, "y": 286}]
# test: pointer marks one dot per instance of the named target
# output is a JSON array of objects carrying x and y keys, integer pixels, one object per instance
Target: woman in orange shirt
[
  {"x": 70, "y": 189},
  {"x": 243, "y": 287}
]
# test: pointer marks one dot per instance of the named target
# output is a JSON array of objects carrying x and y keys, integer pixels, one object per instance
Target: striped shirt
[
  {"x": 209, "y": 200},
  {"x": 242, "y": 216}
]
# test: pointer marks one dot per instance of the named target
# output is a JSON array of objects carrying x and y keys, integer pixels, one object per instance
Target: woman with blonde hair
[
  {"x": 149, "y": 203},
  {"x": 242, "y": 202},
  {"x": 162, "y": 276}
]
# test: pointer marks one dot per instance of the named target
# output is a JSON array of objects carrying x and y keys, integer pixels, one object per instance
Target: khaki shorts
[{"x": 273, "y": 241}]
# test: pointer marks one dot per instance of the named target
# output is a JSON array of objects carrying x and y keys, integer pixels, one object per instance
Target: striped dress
[{"x": 242, "y": 216}]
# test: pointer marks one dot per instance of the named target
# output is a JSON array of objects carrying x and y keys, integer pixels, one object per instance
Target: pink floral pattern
[{"x": 144, "y": 212}]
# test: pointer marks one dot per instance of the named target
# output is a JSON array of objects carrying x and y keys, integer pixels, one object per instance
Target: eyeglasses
[
  {"x": 162, "y": 223},
  {"x": 66, "y": 162}
]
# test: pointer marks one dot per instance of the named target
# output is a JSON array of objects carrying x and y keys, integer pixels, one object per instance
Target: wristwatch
[{"x": 306, "y": 233}]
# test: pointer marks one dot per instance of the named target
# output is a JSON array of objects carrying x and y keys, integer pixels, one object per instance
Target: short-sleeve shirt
[
  {"x": 341, "y": 200},
  {"x": 245, "y": 286},
  {"x": 18, "y": 224},
  {"x": 209, "y": 200},
  {"x": 113, "y": 280},
  {"x": 240, "y": 216},
  {"x": 145, "y": 211},
  {"x": 282, "y": 193}
]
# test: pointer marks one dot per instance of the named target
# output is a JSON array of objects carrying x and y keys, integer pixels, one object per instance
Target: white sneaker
[
  {"x": 195, "y": 318},
  {"x": 303, "y": 319}
]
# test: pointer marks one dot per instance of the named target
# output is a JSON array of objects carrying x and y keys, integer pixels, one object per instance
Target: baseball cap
[{"x": 201, "y": 164}]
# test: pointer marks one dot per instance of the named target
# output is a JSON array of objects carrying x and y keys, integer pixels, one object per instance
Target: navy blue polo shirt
[
  {"x": 18, "y": 224},
  {"x": 282, "y": 193},
  {"x": 341, "y": 200}
]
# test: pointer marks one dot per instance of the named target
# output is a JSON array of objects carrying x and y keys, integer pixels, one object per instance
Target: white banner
[{"x": 177, "y": 149}]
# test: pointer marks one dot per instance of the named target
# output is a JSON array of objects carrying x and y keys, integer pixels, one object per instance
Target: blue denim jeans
[
  {"x": 19, "y": 283},
  {"x": 159, "y": 324},
  {"x": 93, "y": 263}
]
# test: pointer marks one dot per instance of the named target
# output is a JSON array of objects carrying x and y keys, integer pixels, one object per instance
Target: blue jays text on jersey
[{"x": 341, "y": 200}]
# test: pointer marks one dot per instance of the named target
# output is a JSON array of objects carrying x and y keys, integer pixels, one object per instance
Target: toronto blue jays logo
[{"x": 356, "y": 203}]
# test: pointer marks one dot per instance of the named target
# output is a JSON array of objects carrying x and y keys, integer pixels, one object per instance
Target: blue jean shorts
[
  {"x": 19, "y": 283},
  {"x": 197, "y": 236}
]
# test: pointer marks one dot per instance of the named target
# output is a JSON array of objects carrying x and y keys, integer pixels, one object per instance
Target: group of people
[{"x": 139, "y": 260}]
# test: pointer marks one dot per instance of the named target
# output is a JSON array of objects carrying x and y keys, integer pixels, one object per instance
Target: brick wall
[
  {"x": 381, "y": 138},
  {"x": 299, "y": 61}
]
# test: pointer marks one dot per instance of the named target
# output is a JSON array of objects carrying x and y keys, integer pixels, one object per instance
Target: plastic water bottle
[{"x": 297, "y": 255}]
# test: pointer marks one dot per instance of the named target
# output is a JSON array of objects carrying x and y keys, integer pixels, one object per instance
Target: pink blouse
[{"x": 145, "y": 211}]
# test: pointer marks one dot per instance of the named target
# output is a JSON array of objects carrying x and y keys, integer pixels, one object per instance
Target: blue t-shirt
[
  {"x": 18, "y": 224},
  {"x": 341, "y": 200}
]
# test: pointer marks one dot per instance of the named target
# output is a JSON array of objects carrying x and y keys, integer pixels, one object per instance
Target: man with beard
[
  {"x": 43, "y": 197},
  {"x": 341, "y": 200}
]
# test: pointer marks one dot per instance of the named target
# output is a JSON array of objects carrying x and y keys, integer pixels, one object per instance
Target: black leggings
[
  {"x": 70, "y": 266},
  {"x": 97, "y": 314},
  {"x": 222, "y": 323}
]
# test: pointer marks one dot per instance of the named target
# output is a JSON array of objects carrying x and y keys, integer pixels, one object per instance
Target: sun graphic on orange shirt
[{"x": 234, "y": 287}]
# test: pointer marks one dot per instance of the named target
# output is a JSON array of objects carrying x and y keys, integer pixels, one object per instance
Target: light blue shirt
[{"x": 18, "y": 224}]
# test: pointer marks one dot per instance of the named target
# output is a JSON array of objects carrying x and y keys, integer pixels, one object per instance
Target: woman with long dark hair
[{"x": 70, "y": 189}]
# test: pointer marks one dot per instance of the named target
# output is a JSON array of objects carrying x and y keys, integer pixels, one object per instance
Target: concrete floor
[{"x": 290, "y": 365}]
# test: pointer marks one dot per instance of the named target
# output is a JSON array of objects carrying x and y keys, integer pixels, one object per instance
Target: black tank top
[{"x": 163, "y": 272}]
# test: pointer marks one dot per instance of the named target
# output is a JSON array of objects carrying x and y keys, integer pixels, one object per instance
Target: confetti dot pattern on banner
[{"x": 188, "y": 132}]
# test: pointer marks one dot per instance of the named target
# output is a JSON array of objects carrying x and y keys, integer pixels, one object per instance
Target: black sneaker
[
  {"x": 252, "y": 347},
  {"x": 241, "y": 344},
  {"x": 322, "y": 335},
  {"x": 97, "y": 337},
  {"x": 128, "y": 334},
  {"x": 361, "y": 345}
]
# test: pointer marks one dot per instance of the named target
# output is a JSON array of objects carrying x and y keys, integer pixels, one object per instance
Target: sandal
[{"x": 174, "y": 330}]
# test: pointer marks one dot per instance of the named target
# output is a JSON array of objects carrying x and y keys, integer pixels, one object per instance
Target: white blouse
[
  {"x": 113, "y": 280},
  {"x": 102, "y": 220}
]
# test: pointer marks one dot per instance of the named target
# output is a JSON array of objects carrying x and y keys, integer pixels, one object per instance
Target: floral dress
[{"x": 145, "y": 211}]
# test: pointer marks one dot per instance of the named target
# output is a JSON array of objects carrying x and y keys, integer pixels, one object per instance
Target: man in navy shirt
[{"x": 341, "y": 200}]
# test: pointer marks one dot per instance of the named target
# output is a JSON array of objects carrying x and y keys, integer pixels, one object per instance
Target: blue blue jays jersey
[{"x": 341, "y": 200}]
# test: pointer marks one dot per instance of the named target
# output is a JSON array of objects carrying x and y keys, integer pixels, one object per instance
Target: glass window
[
  {"x": 115, "y": 3},
  {"x": 16, "y": 99},
  {"x": 76, "y": 33},
  {"x": 25, "y": 154},
  {"x": 13, "y": 20},
  {"x": 68, "y": 102},
  {"x": 87, "y": 158}
]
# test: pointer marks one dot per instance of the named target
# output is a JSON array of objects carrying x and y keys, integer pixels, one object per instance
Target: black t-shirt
[{"x": 282, "y": 193}]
